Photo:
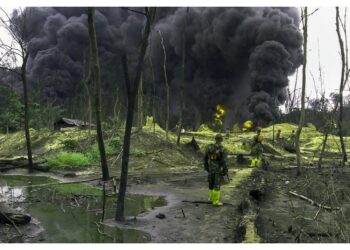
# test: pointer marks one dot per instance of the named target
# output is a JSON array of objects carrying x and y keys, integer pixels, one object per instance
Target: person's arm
[
  {"x": 206, "y": 158},
  {"x": 224, "y": 162}
]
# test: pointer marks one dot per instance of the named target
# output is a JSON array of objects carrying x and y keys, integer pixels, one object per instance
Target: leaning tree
[{"x": 132, "y": 87}]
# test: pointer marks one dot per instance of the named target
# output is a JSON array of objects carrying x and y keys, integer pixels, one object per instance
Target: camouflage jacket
[{"x": 215, "y": 159}]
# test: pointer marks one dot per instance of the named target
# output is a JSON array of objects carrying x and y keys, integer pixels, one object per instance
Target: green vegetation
[
  {"x": 115, "y": 142},
  {"x": 68, "y": 160},
  {"x": 11, "y": 110},
  {"x": 70, "y": 144},
  {"x": 139, "y": 153},
  {"x": 81, "y": 189},
  {"x": 93, "y": 154},
  {"x": 57, "y": 146}
]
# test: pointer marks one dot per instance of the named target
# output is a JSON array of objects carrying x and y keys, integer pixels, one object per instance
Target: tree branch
[
  {"x": 136, "y": 11},
  {"x": 11, "y": 70}
]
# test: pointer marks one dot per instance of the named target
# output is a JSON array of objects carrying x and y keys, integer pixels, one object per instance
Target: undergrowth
[{"x": 64, "y": 159}]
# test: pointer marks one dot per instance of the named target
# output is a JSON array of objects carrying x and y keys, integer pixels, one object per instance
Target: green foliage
[
  {"x": 81, "y": 189},
  {"x": 43, "y": 115},
  {"x": 70, "y": 144},
  {"x": 11, "y": 110},
  {"x": 32, "y": 130},
  {"x": 112, "y": 123},
  {"x": 236, "y": 128},
  {"x": 94, "y": 153},
  {"x": 150, "y": 126},
  {"x": 45, "y": 130},
  {"x": 139, "y": 153},
  {"x": 203, "y": 128},
  {"x": 311, "y": 126},
  {"x": 115, "y": 142},
  {"x": 68, "y": 160}
]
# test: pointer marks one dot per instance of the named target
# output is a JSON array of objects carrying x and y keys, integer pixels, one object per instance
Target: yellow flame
[
  {"x": 247, "y": 125},
  {"x": 219, "y": 114}
]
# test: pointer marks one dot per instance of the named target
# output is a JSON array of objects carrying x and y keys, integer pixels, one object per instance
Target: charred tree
[
  {"x": 341, "y": 88},
  {"x": 166, "y": 85},
  {"x": 18, "y": 32},
  {"x": 140, "y": 105},
  {"x": 84, "y": 81},
  {"x": 182, "y": 86},
  {"x": 153, "y": 96},
  {"x": 97, "y": 89},
  {"x": 131, "y": 95},
  {"x": 302, "y": 111}
]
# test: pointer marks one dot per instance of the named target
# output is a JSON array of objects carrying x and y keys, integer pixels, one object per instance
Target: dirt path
[{"x": 202, "y": 223}]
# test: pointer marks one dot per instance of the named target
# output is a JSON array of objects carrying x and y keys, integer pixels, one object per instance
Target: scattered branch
[{"x": 313, "y": 202}]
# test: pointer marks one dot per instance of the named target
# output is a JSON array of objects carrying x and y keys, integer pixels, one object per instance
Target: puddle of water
[{"x": 71, "y": 212}]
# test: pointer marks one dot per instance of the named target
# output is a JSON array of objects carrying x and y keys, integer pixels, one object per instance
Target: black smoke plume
[{"x": 237, "y": 57}]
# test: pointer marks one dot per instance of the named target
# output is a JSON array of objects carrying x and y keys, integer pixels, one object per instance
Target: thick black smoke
[{"x": 237, "y": 57}]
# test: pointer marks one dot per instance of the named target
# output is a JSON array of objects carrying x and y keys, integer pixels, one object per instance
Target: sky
[
  {"x": 323, "y": 45},
  {"x": 323, "y": 48}
]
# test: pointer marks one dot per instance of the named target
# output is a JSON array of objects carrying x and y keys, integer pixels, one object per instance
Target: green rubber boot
[
  {"x": 210, "y": 198},
  {"x": 258, "y": 163},
  {"x": 216, "y": 198}
]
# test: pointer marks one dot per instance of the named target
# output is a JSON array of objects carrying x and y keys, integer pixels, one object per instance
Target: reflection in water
[{"x": 71, "y": 212}]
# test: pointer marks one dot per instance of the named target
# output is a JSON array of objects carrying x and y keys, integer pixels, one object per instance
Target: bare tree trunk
[
  {"x": 154, "y": 97},
  {"x": 324, "y": 143},
  {"x": 167, "y": 87},
  {"x": 26, "y": 111},
  {"x": 182, "y": 87},
  {"x": 131, "y": 93},
  {"x": 85, "y": 80},
  {"x": 302, "y": 111},
  {"x": 12, "y": 53},
  {"x": 97, "y": 85},
  {"x": 341, "y": 88},
  {"x": 140, "y": 105}
]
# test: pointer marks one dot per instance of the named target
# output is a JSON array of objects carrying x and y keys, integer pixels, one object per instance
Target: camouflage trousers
[
  {"x": 215, "y": 180},
  {"x": 257, "y": 151}
]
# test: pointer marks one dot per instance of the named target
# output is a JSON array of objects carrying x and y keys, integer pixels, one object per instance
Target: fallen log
[
  {"x": 14, "y": 218},
  {"x": 20, "y": 163},
  {"x": 10, "y": 216},
  {"x": 312, "y": 202}
]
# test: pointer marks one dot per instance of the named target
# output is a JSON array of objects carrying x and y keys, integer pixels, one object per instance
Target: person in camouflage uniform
[
  {"x": 215, "y": 163},
  {"x": 257, "y": 148}
]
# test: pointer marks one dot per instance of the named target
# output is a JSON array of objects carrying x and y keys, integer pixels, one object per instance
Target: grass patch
[
  {"x": 93, "y": 155},
  {"x": 81, "y": 189},
  {"x": 68, "y": 160}
]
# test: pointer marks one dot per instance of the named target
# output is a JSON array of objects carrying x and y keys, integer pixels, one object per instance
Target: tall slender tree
[
  {"x": 132, "y": 88},
  {"x": 343, "y": 80},
  {"x": 17, "y": 27},
  {"x": 97, "y": 89},
  {"x": 140, "y": 105},
  {"x": 302, "y": 111},
  {"x": 182, "y": 87},
  {"x": 85, "y": 80},
  {"x": 166, "y": 85}
]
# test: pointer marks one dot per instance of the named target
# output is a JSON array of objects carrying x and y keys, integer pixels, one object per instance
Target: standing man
[
  {"x": 215, "y": 163},
  {"x": 257, "y": 148}
]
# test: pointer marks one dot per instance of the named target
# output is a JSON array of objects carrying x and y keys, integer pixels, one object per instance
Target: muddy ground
[
  {"x": 258, "y": 204},
  {"x": 275, "y": 214},
  {"x": 259, "y": 209}
]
